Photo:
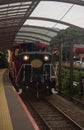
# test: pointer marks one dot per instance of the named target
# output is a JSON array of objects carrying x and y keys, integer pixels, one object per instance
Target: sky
[{"x": 71, "y": 13}]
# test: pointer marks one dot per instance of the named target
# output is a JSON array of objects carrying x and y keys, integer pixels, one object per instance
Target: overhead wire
[{"x": 63, "y": 16}]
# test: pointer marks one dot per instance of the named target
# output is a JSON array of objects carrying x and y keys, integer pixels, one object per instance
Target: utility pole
[
  {"x": 71, "y": 68},
  {"x": 60, "y": 67}
]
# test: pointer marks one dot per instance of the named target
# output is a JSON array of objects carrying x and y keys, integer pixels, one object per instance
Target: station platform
[{"x": 13, "y": 113}]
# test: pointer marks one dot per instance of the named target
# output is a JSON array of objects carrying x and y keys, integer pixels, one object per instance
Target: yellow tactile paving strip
[{"x": 5, "y": 120}]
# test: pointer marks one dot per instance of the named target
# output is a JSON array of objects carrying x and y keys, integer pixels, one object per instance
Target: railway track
[
  {"x": 48, "y": 117},
  {"x": 74, "y": 100}
]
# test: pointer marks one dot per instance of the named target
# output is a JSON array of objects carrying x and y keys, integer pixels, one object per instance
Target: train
[{"x": 31, "y": 68}]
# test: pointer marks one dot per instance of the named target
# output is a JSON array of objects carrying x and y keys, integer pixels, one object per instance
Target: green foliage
[
  {"x": 76, "y": 75},
  {"x": 66, "y": 80},
  {"x": 66, "y": 35},
  {"x": 81, "y": 73}
]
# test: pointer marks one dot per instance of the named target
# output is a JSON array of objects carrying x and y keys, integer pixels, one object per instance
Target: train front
[{"x": 36, "y": 72}]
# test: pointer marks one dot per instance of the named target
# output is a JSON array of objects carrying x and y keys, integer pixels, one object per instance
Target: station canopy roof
[{"x": 37, "y": 20}]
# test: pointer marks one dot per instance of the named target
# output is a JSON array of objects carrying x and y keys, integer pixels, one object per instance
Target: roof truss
[{"x": 13, "y": 14}]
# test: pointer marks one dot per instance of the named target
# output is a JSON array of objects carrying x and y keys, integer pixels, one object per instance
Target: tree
[{"x": 65, "y": 36}]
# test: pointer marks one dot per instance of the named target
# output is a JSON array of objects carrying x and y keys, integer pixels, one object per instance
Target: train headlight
[
  {"x": 46, "y": 58},
  {"x": 25, "y": 57}
]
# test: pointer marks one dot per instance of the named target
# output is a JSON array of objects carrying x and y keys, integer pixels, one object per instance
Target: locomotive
[{"x": 31, "y": 68}]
